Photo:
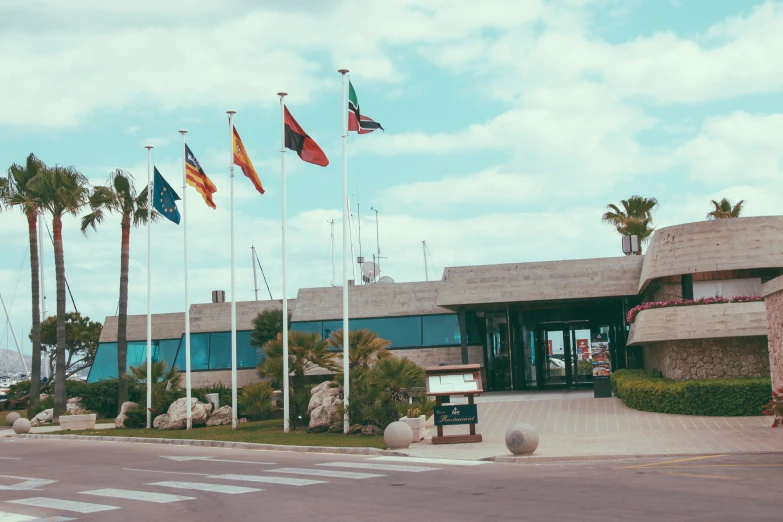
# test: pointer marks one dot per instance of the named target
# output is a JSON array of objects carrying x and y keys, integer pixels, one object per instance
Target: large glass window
[
  {"x": 199, "y": 352},
  {"x": 248, "y": 356},
  {"x": 168, "y": 351},
  {"x": 220, "y": 350},
  {"x": 105, "y": 364},
  {"x": 403, "y": 332},
  {"x": 440, "y": 330},
  {"x": 310, "y": 327}
]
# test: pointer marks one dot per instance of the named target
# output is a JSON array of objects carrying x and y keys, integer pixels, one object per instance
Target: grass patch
[
  {"x": 262, "y": 432},
  {"x": 4, "y": 414}
]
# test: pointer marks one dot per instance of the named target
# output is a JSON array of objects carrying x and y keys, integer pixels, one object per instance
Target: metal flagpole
[
  {"x": 149, "y": 284},
  {"x": 11, "y": 327},
  {"x": 253, "y": 263},
  {"x": 233, "y": 281},
  {"x": 286, "y": 391},
  {"x": 188, "y": 415},
  {"x": 347, "y": 260}
]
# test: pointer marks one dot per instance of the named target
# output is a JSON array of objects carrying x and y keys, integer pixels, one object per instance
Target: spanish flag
[
  {"x": 243, "y": 160},
  {"x": 197, "y": 178}
]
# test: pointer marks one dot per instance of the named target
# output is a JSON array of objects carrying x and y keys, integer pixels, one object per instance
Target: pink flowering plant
[
  {"x": 633, "y": 312},
  {"x": 774, "y": 407}
]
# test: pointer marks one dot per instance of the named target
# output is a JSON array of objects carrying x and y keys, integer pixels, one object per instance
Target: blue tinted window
[
  {"x": 105, "y": 364},
  {"x": 309, "y": 327},
  {"x": 472, "y": 329},
  {"x": 168, "y": 352},
  {"x": 333, "y": 326},
  {"x": 137, "y": 353},
  {"x": 441, "y": 330},
  {"x": 199, "y": 352},
  {"x": 403, "y": 332},
  {"x": 248, "y": 356},
  {"x": 220, "y": 351}
]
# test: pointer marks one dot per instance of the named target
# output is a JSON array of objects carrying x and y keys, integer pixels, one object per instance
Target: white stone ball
[
  {"x": 21, "y": 425},
  {"x": 522, "y": 439},
  {"x": 398, "y": 435},
  {"x": 11, "y": 418}
]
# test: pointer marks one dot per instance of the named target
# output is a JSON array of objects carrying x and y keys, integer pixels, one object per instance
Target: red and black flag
[
  {"x": 297, "y": 139},
  {"x": 357, "y": 122}
]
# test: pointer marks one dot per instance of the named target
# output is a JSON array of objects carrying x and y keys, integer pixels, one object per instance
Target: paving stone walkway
[{"x": 574, "y": 424}]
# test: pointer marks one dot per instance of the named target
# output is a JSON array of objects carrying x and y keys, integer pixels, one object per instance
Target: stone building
[{"x": 530, "y": 325}]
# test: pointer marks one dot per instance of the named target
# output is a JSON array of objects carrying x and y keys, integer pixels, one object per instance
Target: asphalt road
[{"x": 68, "y": 479}]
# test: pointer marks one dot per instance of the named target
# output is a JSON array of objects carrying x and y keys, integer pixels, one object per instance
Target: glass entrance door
[
  {"x": 581, "y": 357},
  {"x": 564, "y": 353},
  {"x": 498, "y": 353}
]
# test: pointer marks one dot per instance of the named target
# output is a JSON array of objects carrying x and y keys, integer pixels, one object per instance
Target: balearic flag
[
  {"x": 357, "y": 122},
  {"x": 164, "y": 198},
  {"x": 298, "y": 140},
  {"x": 243, "y": 160},
  {"x": 197, "y": 178}
]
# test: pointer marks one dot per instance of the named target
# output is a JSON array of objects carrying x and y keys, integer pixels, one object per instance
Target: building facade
[{"x": 529, "y": 325}]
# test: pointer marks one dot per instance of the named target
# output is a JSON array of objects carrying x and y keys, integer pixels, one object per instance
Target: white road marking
[
  {"x": 200, "y": 486},
  {"x": 168, "y": 472},
  {"x": 423, "y": 460},
  {"x": 11, "y": 458},
  {"x": 272, "y": 480},
  {"x": 325, "y": 473},
  {"x": 212, "y": 459},
  {"x": 12, "y": 517},
  {"x": 65, "y": 505},
  {"x": 129, "y": 494},
  {"x": 26, "y": 484},
  {"x": 379, "y": 467}
]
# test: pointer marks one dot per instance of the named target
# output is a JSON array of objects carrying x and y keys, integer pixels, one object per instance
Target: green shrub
[
  {"x": 102, "y": 396},
  {"x": 255, "y": 401},
  {"x": 650, "y": 391},
  {"x": 19, "y": 390},
  {"x": 136, "y": 417},
  {"x": 45, "y": 404},
  {"x": 223, "y": 392}
]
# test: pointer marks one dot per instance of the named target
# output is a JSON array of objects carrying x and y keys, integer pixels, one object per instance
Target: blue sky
[{"x": 509, "y": 127}]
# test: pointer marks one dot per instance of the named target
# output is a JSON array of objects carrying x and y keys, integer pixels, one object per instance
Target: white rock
[
  {"x": 22, "y": 425},
  {"x": 522, "y": 439},
  {"x": 178, "y": 412},
  {"x": 119, "y": 422},
  {"x": 324, "y": 405},
  {"x": 45, "y": 417},
  {"x": 74, "y": 405},
  {"x": 220, "y": 417},
  {"x": 163, "y": 422},
  {"x": 398, "y": 435}
]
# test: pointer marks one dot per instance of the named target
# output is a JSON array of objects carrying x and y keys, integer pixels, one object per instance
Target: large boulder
[
  {"x": 220, "y": 417},
  {"x": 45, "y": 417},
  {"x": 178, "y": 412},
  {"x": 74, "y": 405},
  {"x": 324, "y": 406},
  {"x": 163, "y": 422},
  {"x": 119, "y": 422}
]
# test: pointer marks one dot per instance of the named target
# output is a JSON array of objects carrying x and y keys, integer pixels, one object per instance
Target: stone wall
[
  {"x": 425, "y": 357},
  {"x": 774, "y": 305},
  {"x": 709, "y": 358}
]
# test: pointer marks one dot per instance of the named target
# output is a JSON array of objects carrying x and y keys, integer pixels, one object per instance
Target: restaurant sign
[{"x": 461, "y": 414}]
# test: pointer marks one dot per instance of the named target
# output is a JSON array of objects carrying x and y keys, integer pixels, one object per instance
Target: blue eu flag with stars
[{"x": 164, "y": 198}]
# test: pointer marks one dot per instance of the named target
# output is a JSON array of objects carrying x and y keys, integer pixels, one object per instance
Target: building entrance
[{"x": 564, "y": 354}]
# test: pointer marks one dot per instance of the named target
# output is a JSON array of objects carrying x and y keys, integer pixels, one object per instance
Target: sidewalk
[{"x": 574, "y": 424}]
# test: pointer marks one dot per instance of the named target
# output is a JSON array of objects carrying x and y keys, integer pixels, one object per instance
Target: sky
[{"x": 509, "y": 126}]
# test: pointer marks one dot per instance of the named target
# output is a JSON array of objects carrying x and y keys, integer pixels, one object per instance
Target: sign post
[
  {"x": 602, "y": 366},
  {"x": 444, "y": 381}
]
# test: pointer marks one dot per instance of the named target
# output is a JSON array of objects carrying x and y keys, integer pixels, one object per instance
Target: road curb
[
  {"x": 217, "y": 444},
  {"x": 509, "y": 459}
]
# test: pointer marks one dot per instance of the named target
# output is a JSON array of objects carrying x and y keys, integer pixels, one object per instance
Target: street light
[{"x": 631, "y": 245}]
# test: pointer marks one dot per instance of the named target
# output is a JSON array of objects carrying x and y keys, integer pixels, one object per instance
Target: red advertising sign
[
  {"x": 583, "y": 345},
  {"x": 549, "y": 346}
]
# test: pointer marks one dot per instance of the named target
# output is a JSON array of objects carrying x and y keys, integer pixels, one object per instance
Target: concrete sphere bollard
[
  {"x": 522, "y": 439},
  {"x": 398, "y": 435},
  {"x": 22, "y": 425},
  {"x": 11, "y": 418}
]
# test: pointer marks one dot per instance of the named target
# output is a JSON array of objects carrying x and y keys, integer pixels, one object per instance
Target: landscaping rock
[
  {"x": 522, "y": 439},
  {"x": 353, "y": 430},
  {"x": 11, "y": 418},
  {"x": 337, "y": 427},
  {"x": 164, "y": 422},
  {"x": 398, "y": 435},
  {"x": 119, "y": 422},
  {"x": 221, "y": 417},
  {"x": 74, "y": 405},
  {"x": 324, "y": 406},
  {"x": 45, "y": 417},
  {"x": 21, "y": 425},
  {"x": 198, "y": 415},
  {"x": 372, "y": 430},
  {"x": 243, "y": 420}
]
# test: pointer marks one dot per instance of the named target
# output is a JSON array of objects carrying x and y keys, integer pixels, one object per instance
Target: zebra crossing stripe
[
  {"x": 129, "y": 494},
  {"x": 200, "y": 486},
  {"x": 379, "y": 467},
  {"x": 423, "y": 460},
  {"x": 13, "y": 517},
  {"x": 288, "y": 481},
  {"x": 64, "y": 505},
  {"x": 326, "y": 473}
]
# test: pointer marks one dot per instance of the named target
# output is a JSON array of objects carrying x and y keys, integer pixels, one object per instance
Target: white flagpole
[
  {"x": 233, "y": 280},
  {"x": 347, "y": 261},
  {"x": 149, "y": 285},
  {"x": 188, "y": 416},
  {"x": 286, "y": 398}
]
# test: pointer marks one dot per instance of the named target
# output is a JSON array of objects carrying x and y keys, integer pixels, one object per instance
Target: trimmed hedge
[{"x": 649, "y": 391}]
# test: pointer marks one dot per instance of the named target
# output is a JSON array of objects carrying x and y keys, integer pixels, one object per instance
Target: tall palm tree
[
  {"x": 634, "y": 219},
  {"x": 119, "y": 195},
  {"x": 61, "y": 191},
  {"x": 365, "y": 348},
  {"x": 17, "y": 193},
  {"x": 724, "y": 210}
]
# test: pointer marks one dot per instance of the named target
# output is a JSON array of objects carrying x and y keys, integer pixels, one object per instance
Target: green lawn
[
  {"x": 263, "y": 432},
  {"x": 4, "y": 414}
]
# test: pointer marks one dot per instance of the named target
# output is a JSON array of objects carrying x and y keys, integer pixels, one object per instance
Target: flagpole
[
  {"x": 286, "y": 391},
  {"x": 233, "y": 281},
  {"x": 189, "y": 414},
  {"x": 149, "y": 284},
  {"x": 347, "y": 262}
]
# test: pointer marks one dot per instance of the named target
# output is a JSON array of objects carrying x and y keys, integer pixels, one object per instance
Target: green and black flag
[{"x": 356, "y": 121}]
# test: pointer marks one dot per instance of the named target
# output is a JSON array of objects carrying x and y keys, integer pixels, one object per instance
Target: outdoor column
[{"x": 463, "y": 336}]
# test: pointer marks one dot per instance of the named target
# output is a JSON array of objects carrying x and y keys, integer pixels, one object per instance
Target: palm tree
[
  {"x": 635, "y": 218},
  {"x": 17, "y": 193},
  {"x": 365, "y": 348},
  {"x": 119, "y": 195},
  {"x": 60, "y": 191},
  {"x": 724, "y": 210}
]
